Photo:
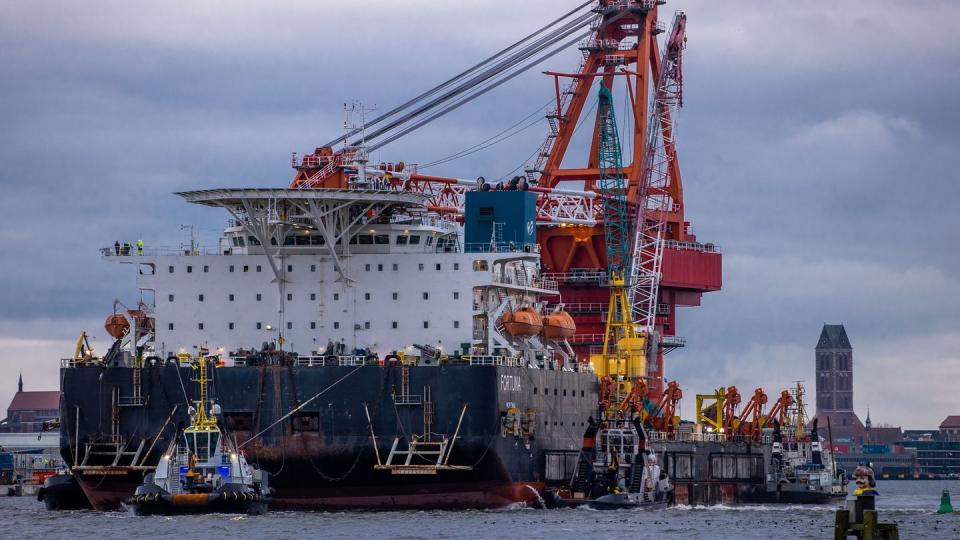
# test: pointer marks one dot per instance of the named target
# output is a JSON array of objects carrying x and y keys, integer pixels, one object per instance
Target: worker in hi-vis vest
[{"x": 139, "y": 247}]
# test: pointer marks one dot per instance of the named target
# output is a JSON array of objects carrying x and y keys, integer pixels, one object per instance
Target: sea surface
[{"x": 910, "y": 503}]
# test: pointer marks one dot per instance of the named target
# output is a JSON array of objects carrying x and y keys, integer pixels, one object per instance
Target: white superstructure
[{"x": 398, "y": 275}]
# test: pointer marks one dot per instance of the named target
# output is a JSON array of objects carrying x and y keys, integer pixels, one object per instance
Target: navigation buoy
[{"x": 945, "y": 506}]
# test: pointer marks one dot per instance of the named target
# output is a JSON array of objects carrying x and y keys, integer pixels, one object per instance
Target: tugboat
[
  {"x": 615, "y": 471},
  {"x": 207, "y": 473},
  {"x": 62, "y": 492}
]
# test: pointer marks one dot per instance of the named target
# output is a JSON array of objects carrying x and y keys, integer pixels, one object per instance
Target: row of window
[
  {"x": 313, "y": 296},
  {"x": 421, "y": 266},
  {"x": 336, "y": 326},
  {"x": 313, "y": 267}
]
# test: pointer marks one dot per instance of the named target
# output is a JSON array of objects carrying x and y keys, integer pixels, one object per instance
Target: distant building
[
  {"x": 29, "y": 410},
  {"x": 950, "y": 429},
  {"x": 834, "y": 385}
]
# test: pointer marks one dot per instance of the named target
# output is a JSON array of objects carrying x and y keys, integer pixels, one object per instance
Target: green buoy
[{"x": 945, "y": 506}]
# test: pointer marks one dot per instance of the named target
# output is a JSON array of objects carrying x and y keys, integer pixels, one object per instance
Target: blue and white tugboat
[{"x": 206, "y": 472}]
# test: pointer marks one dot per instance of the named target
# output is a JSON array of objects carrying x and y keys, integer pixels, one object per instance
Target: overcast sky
[{"x": 819, "y": 146}]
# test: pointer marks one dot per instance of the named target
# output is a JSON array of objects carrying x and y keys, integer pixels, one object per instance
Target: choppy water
[{"x": 912, "y": 504}]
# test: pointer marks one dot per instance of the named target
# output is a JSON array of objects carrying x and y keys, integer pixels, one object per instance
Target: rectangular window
[
  {"x": 259, "y": 297},
  {"x": 426, "y": 324},
  {"x": 170, "y": 326},
  {"x": 336, "y": 326},
  {"x": 456, "y": 295},
  {"x": 313, "y": 268},
  {"x": 259, "y": 268},
  {"x": 189, "y": 269},
  {"x": 246, "y": 268},
  {"x": 231, "y": 268},
  {"x": 426, "y": 296},
  {"x": 289, "y": 268},
  {"x": 230, "y": 326},
  {"x": 420, "y": 266},
  {"x": 456, "y": 324},
  {"x": 313, "y": 296},
  {"x": 200, "y": 298},
  {"x": 456, "y": 266},
  {"x": 289, "y": 326},
  {"x": 206, "y": 268},
  {"x": 259, "y": 326},
  {"x": 402, "y": 240},
  {"x": 366, "y": 296},
  {"x": 395, "y": 267},
  {"x": 381, "y": 239},
  {"x": 429, "y": 240},
  {"x": 414, "y": 239},
  {"x": 479, "y": 265},
  {"x": 394, "y": 324},
  {"x": 336, "y": 296},
  {"x": 169, "y": 298},
  {"x": 395, "y": 295},
  {"x": 230, "y": 297},
  {"x": 366, "y": 267},
  {"x": 289, "y": 297},
  {"x": 200, "y": 326},
  {"x": 379, "y": 268},
  {"x": 313, "y": 325},
  {"x": 170, "y": 269},
  {"x": 365, "y": 239},
  {"x": 366, "y": 325},
  {"x": 438, "y": 267}
]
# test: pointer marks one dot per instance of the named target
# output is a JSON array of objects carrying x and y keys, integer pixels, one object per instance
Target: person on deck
[
  {"x": 650, "y": 479},
  {"x": 116, "y": 247}
]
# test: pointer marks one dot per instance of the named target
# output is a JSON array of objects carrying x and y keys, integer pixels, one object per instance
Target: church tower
[{"x": 834, "y": 382}]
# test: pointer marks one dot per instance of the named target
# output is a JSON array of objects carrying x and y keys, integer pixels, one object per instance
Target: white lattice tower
[{"x": 654, "y": 199}]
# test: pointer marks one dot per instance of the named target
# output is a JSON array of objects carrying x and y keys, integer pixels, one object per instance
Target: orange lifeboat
[
  {"x": 522, "y": 322},
  {"x": 117, "y": 326},
  {"x": 559, "y": 325}
]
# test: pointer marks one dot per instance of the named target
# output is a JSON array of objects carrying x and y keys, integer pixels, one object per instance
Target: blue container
[{"x": 506, "y": 220}]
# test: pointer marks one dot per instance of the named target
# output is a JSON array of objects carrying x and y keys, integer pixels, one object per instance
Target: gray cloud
[{"x": 817, "y": 144}]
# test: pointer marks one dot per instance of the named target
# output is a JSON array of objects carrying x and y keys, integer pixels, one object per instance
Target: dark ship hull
[{"x": 322, "y": 456}]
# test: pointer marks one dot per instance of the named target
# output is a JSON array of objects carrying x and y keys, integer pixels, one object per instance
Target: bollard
[{"x": 945, "y": 506}]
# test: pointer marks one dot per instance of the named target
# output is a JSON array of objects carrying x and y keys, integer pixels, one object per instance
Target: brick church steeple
[{"x": 834, "y": 368}]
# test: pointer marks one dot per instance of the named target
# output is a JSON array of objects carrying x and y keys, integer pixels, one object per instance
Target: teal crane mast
[{"x": 612, "y": 187}]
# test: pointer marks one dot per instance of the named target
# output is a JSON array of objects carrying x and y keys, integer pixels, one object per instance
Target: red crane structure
[
  {"x": 618, "y": 39},
  {"x": 625, "y": 44}
]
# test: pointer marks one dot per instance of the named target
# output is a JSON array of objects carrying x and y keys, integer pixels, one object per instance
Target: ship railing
[
  {"x": 542, "y": 283},
  {"x": 682, "y": 436},
  {"x": 158, "y": 251},
  {"x": 579, "y": 276},
  {"x": 587, "y": 338},
  {"x": 490, "y": 360},
  {"x": 500, "y": 247},
  {"x": 582, "y": 307},
  {"x": 707, "y": 247}
]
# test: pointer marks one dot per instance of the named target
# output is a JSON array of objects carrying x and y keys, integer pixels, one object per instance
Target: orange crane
[
  {"x": 780, "y": 410},
  {"x": 663, "y": 418},
  {"x": 730, "y": 403},
  {"x": 751, "y": 419}
]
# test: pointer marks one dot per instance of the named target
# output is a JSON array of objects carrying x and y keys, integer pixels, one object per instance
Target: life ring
[
  {"x": 391, "y": 359},
  {"x": 330, "y": 361}
]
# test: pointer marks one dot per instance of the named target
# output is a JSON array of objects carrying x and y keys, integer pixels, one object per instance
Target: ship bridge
[{"x": 269, "y": 214}]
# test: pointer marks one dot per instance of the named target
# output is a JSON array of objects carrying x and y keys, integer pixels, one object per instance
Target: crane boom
[{"x": 655, "y": 199}]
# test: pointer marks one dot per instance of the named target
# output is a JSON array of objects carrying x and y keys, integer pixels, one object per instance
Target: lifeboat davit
[
  {"x": 117, "y": 325},
  {"x": 559, "y": 325},
  {"x": 523, "y": 322}
]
